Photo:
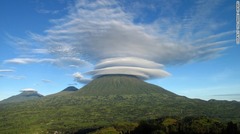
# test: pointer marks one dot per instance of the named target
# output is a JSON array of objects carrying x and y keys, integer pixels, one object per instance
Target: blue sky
[{"x": 187, "y": 47}]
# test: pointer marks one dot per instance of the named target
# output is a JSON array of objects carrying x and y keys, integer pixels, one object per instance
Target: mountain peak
[
  {"x": 70, "y": 88},
  {"x": 120, "y": 85},
  {"x": 30, "y": 93},
  {"x": 23, "y": 96}
]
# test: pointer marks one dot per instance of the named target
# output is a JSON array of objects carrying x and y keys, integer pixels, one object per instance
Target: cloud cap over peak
[
  {"x": 127, "y": 61},
  {"x": 140, "y": 68},
  {"x": 142, "y": 73},
  {"x": 113, "y": 38},
  {"x": 28, "y": 90}
]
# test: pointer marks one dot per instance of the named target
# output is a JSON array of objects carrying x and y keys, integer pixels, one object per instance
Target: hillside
[
  {"x": 24, "y": 96},
  {"x": 106, "y": 101},
  {"x": 120, "y": 85}
]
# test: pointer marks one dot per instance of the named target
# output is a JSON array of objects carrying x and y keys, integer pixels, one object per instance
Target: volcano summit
[
  {"x": 24, "y": 96},
  {"x": 105, "y": 101}
]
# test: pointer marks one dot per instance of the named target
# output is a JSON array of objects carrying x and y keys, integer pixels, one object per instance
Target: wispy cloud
[
  {"x": 78, "y": 77},
  {"x": 63, "y": 62},
  {"x": 45, "y": 11},
  {"x": 51, "y": 7},
  {"x": 17, "y": 77},
  {"x": 97, "y": 31},
  {"x": 215, "y": 36},
  {"x": 22, "y": 60},
  {"x": 6, "y": 70},
  {"x": 46, "y": 81},
  {"x": 10, "y": 76},
  {"x": 40, "y": 51}
]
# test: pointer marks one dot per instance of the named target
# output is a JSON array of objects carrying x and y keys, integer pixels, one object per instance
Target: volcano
[
  {"x": 70, "y": 89},
  {"x": 24, "y": 96},
  {"x": 121, "y": 85},
  {"x": 105, "y": 101}
]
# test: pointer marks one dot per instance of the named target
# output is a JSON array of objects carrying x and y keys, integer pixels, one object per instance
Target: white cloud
[
  {"x": 142, "y": 73},
  {"x": 95, "y": 31},
  {"x": 6, "y": 70},
  {"x": 78, "y": 77},
  {"x": 127, "y": 61},
  {"x": 40, "y": 51},
  {"x": 28, "y": 90},
  {"x": 215, "y": 36},
  {"x": 141, "y": 68},
  {"x": 68, "y": 61},
  {"x": 22, "y": 60},
  {"x": 105, "y": 33},
  {"x": 62, "y": 62}
]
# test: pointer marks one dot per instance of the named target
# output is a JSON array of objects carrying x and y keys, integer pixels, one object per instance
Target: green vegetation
[
  {"x": 187, "y": 125},
  {"x": 24, "y": 96},
  {"x": 113, "y": 104},
  {"x": 121, "y": 85}
]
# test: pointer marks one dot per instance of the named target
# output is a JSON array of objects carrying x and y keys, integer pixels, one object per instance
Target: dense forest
[
  {"x": 118, "y": 104},
  {"x": 173, "y": 125}
]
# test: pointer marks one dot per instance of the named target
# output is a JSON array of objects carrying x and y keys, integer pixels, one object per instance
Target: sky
[{"x": 187, "y": 47}]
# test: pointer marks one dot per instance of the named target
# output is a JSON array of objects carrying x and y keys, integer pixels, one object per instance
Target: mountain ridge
[{"x": 105, "y": 101}]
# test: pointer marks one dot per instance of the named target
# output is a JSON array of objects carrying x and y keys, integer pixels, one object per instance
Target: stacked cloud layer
[
  {"x": 141, "y": 68},
  {"x": 106, "y": 34}
]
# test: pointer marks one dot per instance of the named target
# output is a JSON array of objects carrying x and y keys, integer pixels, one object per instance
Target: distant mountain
[
  {"x": 24, "y": 96},
  {"x": 70, "y": 88},
  {"x": 105, "y": 101},
  {"x": 66, "y": 91}
]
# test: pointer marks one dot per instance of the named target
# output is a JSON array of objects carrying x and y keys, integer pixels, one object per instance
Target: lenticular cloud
[
  {"x": 137, "y": 67},
  {"x": 28, "y": 90},
  {"x": 104, "y": 33}
]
